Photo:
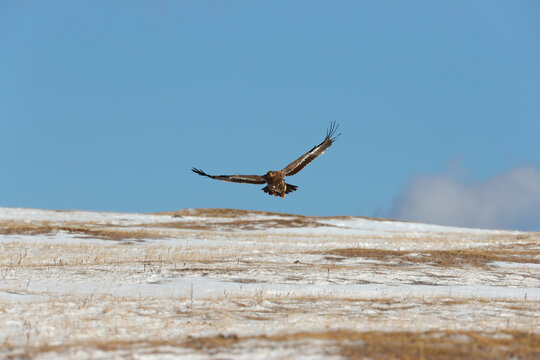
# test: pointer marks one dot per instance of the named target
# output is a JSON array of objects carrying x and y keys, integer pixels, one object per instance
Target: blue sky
[{"x": 106, "y": 105}]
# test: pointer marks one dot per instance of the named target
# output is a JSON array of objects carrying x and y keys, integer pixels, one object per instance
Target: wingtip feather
[
  {"x": 198, "y": 171},
  {"x": 332, "y": 130}
]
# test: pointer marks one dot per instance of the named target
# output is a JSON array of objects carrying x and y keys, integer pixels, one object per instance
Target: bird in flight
[{"x": 275, "y": 180}]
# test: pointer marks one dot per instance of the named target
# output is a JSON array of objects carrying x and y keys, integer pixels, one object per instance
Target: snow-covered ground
[{"x": 218, "y": 283}]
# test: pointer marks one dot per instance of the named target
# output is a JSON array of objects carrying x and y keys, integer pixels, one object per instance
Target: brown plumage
[{"x": 275, "y": 180}]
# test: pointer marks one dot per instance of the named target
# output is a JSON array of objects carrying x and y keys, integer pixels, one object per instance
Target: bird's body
[
  {"x": 276, "y": 184},
  {"x": 275, "y": 180}
]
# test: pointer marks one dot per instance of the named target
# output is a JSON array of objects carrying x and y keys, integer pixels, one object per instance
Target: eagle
[{"x": 275, "y": 180}]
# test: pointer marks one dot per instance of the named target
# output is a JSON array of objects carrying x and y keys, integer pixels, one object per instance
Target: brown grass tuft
[
  {"x": 235, "y": 213},
  {"x": 105, "y": 233},
  {"x": 448, "y": 258},
  {"x": 401, "y": 345},
  {"x": 351, "y": 344},
  {"x": 222, "y": 213}
]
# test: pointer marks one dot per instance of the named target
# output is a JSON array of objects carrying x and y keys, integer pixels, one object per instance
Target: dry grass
[
  {"x": 233, "y": 219},
  {"x": 352, "y": 345},
  {"x": 222, "y": 213},
  {"x": 445, "y": 258},
  {"x": 403, "y": 345},
  {"x": 80, "y": 254},
  {"x": 444, "y": 345},
  {"x": 95, "y": 231},
  {"x": 242, "y": 224},
  {"x": 237, "y": 213},
  {"x": 13, "y": 228}
]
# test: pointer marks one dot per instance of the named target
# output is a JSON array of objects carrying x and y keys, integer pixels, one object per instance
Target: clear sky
[{"x": 106, "y": 105}]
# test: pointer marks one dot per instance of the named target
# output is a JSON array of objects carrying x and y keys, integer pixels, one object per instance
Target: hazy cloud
[{"x": 508, "y": 200}]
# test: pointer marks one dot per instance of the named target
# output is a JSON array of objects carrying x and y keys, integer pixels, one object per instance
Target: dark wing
[
  {"x": 308, "y": 157},
  {"x": 248, "y": 179}
]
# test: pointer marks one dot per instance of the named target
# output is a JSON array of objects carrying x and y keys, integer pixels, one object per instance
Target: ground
[{"x": 232, "y": 284}]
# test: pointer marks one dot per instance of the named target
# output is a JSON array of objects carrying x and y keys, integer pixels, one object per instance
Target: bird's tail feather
[{"x": 290, "y": 188}]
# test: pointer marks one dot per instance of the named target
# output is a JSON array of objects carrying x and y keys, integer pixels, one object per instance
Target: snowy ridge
[{"x": 77, "y": 278}]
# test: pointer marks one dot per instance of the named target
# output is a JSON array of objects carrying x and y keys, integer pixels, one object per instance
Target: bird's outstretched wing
[
  {"x": 247, "y": 179},
  {"x": 308, "y": 157}
]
